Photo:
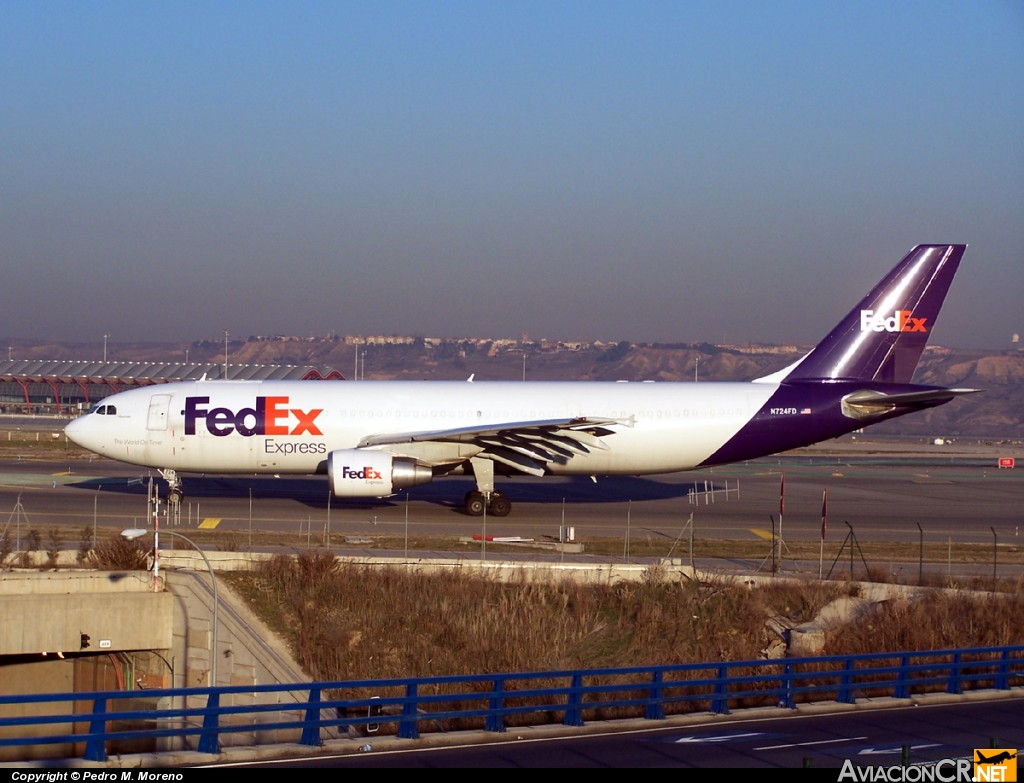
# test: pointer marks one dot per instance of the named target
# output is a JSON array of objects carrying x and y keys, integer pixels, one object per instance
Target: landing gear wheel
[
  {"x": 500, "y": 505},
  {"x": 174, "y": 491},
  {"x": 475, "y": 504}
]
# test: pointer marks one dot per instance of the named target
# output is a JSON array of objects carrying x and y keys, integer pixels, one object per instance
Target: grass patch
[
  {"x": 353, "y": 621},
  {"x": 360, "y": 621}
]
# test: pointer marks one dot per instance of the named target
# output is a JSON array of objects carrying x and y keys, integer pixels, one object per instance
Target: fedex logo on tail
[
  {"x": 269, "y": 416},
  {"x": 902, "y": 321}
]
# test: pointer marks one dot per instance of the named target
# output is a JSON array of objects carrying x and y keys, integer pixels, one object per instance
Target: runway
[{"x": 890, "y": 496}]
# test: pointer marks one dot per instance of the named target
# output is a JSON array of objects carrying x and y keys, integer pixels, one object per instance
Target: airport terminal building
[{"x": 59, "y": 388}]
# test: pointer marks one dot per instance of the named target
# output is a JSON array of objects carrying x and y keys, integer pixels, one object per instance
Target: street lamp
[
  {"x": 105, "y": 346},
  {"x": 133, "y": 533}
]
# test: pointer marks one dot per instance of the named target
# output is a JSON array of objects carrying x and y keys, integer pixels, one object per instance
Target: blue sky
[{"x": 672, "y": 171}]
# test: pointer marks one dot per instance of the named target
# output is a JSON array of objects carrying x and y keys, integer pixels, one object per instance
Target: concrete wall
[
  {"x": 48, "y": 612},
  {"x": 229, "y": 646},
  {"x": 602, "y": 573},
  {"x": 139, "y": 640}
]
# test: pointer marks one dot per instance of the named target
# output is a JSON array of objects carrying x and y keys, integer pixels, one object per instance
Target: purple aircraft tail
[
  {"x": 861, "y": 373},
  {"x": 883, "y": 337}
]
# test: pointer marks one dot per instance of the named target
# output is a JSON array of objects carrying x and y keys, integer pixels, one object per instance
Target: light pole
[
  {"x": 995, "y": 552},
  {"x": 105, "y": 346},
  {"x": 225, "y": 354},
  {"x": 95, "y": 501},
  {"x": 920, "y": 553},
  {"x": 132, "y": 533}
]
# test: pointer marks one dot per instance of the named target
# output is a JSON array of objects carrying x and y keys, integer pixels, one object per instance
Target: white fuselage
[{"x": 662, "y": 427}]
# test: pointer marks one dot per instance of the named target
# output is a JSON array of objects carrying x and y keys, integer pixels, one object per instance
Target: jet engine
[{"x": 363, "y": 473}]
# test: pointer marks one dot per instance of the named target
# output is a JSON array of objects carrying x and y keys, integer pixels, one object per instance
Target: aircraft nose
[{"x": 75, "y": 431}]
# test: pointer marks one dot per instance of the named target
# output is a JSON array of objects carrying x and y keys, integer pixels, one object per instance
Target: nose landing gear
[{"x": 175, "y": 494}]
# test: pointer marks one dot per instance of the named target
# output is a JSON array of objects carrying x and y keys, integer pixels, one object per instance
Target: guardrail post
[
  {"x": 786, "y": 685},
  {"x": 655, "y": 707},
  {"x": 1002, "y": 682},
  {"x": 208, "y": 740},
  {"x": 495, "y": 722},
  {"x": 902, "y": 690},
  {"x": 845, "y": 695},
  {"x": 955, "y": 675},
  {"x": 311, "y": 723},
  {"x": 720, "y": 703},
  {"x": 96, "y": 745},
  {"x": 407, "y": 727},
  {"x": 574, "y": 707}
]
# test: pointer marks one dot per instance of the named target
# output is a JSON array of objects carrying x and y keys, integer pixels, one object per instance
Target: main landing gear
[
  {"x": 497, "y": 504},
  {"x": 484, "y": 497}
]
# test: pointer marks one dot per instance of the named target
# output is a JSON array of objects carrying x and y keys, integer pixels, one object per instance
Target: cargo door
[{"x": 159, "y": 406}]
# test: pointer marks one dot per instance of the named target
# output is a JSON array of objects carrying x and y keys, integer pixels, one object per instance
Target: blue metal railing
[{"x": 493, "y": 701}]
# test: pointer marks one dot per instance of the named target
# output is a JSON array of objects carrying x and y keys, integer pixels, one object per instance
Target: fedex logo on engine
[
  {"x": 902, "y": 321},
  {"x": 270, "y": 416},
  {"x": 368, "y": 473}
]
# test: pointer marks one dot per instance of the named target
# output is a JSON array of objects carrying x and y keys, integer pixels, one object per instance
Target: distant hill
[{"x": 997, "y": 413}]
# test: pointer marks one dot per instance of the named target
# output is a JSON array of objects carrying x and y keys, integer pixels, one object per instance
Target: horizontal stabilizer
[{"x": 870, "y": 403}]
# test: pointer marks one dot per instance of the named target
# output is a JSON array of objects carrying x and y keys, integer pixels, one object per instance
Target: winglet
[{"x": 883, "y": 337}]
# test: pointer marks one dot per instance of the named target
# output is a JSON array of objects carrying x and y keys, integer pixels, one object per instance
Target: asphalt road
[{"x": 931, "y": 731}]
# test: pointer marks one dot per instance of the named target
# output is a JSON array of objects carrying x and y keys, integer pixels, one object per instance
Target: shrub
[{"x": 117, "y": 553}]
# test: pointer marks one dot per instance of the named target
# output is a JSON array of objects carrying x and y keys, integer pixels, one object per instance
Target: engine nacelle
[{"x": 364, "y": 473}]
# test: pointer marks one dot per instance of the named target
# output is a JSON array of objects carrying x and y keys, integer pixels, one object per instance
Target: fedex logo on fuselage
[
  {"x": 902, "y": 321},
  {"x": 270, "y": 416}
]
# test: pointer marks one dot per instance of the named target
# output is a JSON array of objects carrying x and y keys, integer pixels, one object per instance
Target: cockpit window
[{"x": 105, "y": 410}]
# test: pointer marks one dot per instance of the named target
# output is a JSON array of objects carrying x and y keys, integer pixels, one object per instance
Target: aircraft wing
[{"x": 524, "y": 445}]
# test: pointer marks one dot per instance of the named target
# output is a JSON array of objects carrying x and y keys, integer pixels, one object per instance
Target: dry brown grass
[
  {"x": 347, "y": 621},
  {"x": 116, "y": 553},
  {"x": 936, "y": 620}
]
